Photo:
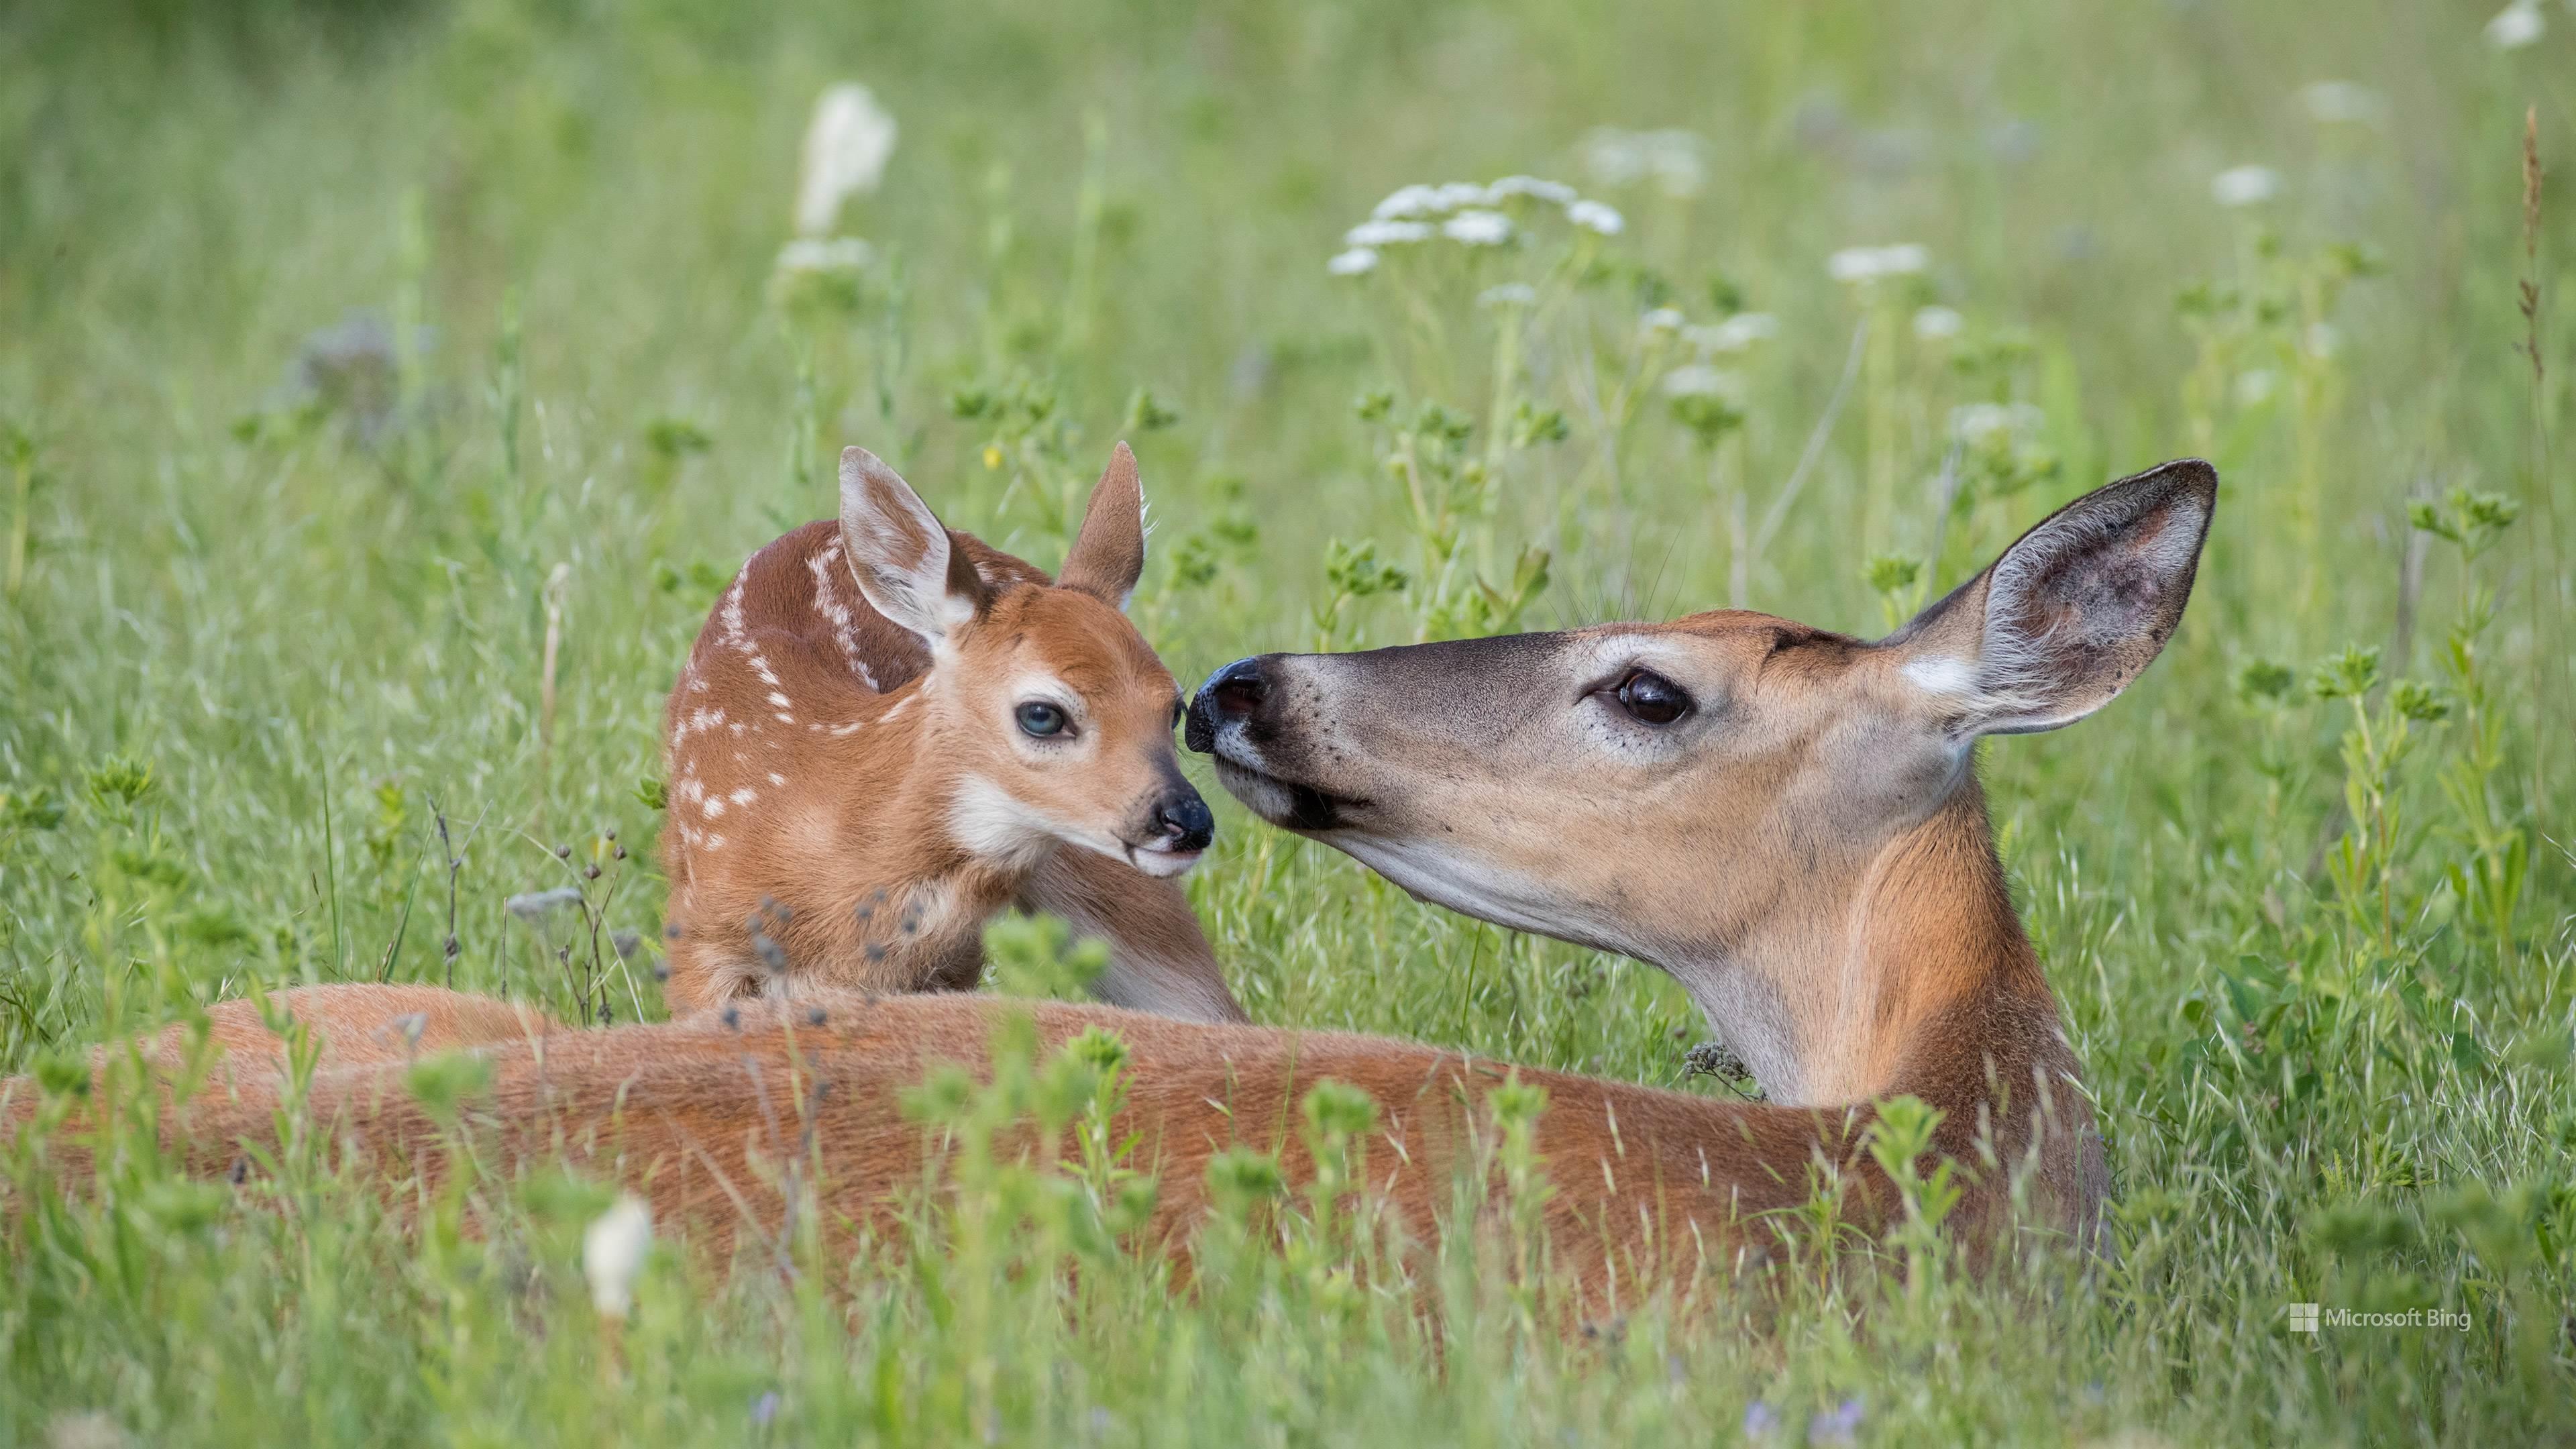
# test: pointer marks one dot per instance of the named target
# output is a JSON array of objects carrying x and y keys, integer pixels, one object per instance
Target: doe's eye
[
  {"x": 1651, "y": 698},
  {"x": 1040, "y": 719}
]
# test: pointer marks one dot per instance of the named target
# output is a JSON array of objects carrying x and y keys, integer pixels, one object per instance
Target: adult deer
[
  {"x": 1786, "y": 819},
  {"x": 888, "y": 731}
]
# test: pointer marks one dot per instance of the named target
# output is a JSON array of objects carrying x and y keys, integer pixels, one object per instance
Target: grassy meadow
[{"x": 387, "y": 390}]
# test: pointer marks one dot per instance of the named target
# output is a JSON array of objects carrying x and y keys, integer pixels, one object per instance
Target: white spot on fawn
[
  {"x": 745, "y": 795},
  {"x": 780, "y": 700},
  {"x": 776, "y": 778},
  {"x": 715, "y": 806}
]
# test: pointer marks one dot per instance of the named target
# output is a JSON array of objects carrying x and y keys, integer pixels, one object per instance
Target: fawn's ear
[
  {"x": 2072, "y": 612},
  {"x": 899, "y": 553},
  {"x": 1108, "y": 555}
]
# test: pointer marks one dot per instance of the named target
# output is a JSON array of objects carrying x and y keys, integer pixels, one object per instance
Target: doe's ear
[
  {"x": 899, "y": 552},
  {"x": 2071, "y": 613},
  {"x": 1108, "y": 555}
]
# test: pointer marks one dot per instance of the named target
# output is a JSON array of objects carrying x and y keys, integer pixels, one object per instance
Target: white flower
[
  {"x": 1407, "y": 201},
  {"x": 1353, "y": 262},
  {"x": 1933, "y": 324},
  {"x": 2322, "y": 339},
  {"x": 1662, "y": 319},
  {"x": 1510, "y": 186},
  {"x": 2333, "y": 101},
  {"x": 1863, "y": 265},
  {"x": 612, "y": 1252},
  {"x": 2516, "y": 25},
  {"x": 1670, "y": 158},
  {"x": 1701, "y": 380},
  {"x": 1508, "y": 294},
  {"x": 2244, "y": 185},
  {"x": 846, "y": 146},
  {"x": 1613, "y": 157},
  {"x": 1594, "y": 216},
  {"x": 2255, "y": 387},
  {"x": 1386, "y": 233},
  {"x": 1735, "y": 334},
  {"x": 810, "y": 254},
  {"x": 1478, "y": 228},
  {"x": 1450, "y": 195},
  {"x": 1978, "y": 422}
]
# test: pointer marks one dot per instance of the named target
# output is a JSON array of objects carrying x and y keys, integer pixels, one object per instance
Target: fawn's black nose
[
  {"x": 1185, "y": 819},
  {"x": 1232, "y": 693}
]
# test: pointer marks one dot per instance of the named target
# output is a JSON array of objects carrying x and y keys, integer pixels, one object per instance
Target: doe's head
[
  {"x": 1051, "y": 710},
  {"x": 1661, "y": 789}
]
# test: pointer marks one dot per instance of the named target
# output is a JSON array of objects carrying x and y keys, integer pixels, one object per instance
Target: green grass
[{"x": 2325, "y": 991}]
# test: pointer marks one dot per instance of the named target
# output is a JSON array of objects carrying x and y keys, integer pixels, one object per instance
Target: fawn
[
  {"x": 888, "y": 731},
  {"x": 1787, "y": 820}
]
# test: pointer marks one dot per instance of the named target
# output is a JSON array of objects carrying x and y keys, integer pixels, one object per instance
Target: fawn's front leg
[{"x": 1159, "y": 960}]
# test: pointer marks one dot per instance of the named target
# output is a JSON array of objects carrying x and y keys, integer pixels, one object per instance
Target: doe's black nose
[
  {"x": 1232, "y": 693},
  {"x": 1185, "y": 818}
]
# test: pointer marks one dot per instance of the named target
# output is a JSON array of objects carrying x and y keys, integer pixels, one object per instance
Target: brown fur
[{"x": 816, "y": 759}]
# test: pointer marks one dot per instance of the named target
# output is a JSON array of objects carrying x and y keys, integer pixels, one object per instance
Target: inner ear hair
[{"x": 2073, "y": 611}]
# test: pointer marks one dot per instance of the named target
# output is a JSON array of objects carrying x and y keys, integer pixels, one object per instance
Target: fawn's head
[
  {"x": 1049, "y": 708},
  {"x": 1670, "y": 791}
]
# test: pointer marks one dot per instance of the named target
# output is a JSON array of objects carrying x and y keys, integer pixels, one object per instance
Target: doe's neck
[{"x": 1915, "y": 977}]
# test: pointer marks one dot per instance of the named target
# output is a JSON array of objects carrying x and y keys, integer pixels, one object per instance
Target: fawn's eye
[
  {"x": 1040, "y": 719},
  {"x": 1651, "y": 698}
]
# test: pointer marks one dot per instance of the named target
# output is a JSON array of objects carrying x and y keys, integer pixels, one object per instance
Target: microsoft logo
[{"x": 2303, "y": 1318}]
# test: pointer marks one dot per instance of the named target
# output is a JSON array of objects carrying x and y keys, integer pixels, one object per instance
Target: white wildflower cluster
[
  {"x": 1938, "y": 324},
  {"x": 2517, "y": 25},
  {"x": 1728, "y": 338},
  {"x": 1464, "y": 212},
  {"x": 1867, "y": 266},
  {"x": 1986, "y": 423},
  {"x": 2245, "y": 186},
  {"x": 1701, "y": 379},
  {"x": 1736, "y": 334},
  {"x": 1673, "y": 160},
  {"x": 847, "y": 145},
  {"x": 612, "y": 1253},
  {"x": 2339, "y": 102}
]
